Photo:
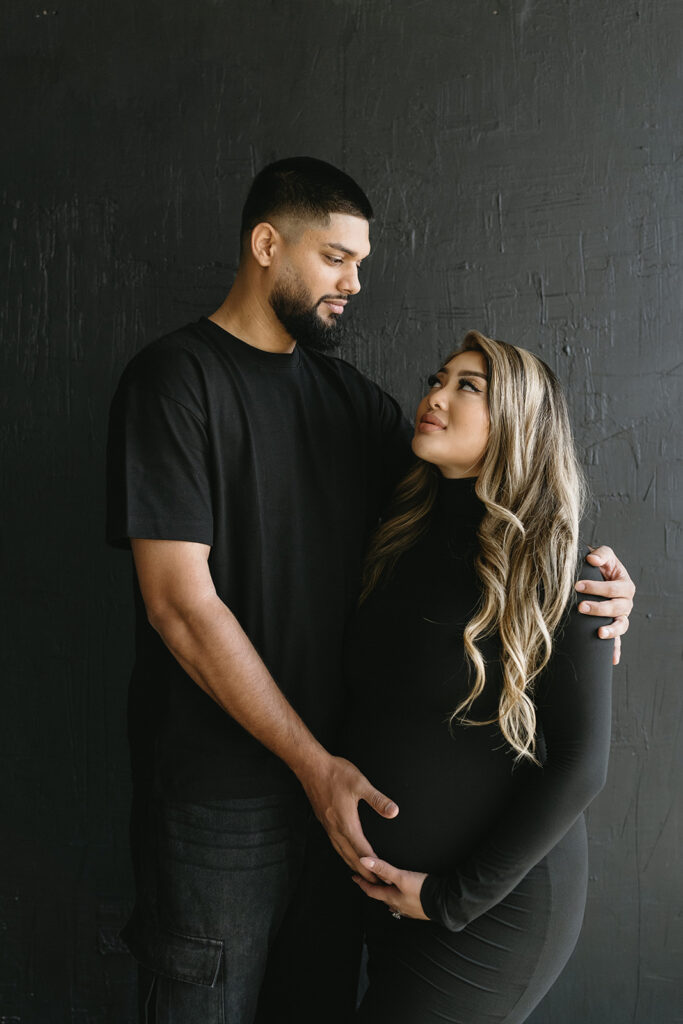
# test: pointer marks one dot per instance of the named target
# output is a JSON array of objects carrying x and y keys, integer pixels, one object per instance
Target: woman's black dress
[{"x": 505, "y": 847}]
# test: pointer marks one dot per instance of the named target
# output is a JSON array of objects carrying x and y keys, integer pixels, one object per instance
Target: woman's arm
[{"x": 574, "y": 710}]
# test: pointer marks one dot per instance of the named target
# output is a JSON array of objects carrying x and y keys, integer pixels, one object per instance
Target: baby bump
[
  {"x": 494, "y": 971},
  {"x": 450, "y": 787}
]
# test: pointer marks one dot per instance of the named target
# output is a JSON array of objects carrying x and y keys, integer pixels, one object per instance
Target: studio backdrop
[{"x": 524, "y": 161}]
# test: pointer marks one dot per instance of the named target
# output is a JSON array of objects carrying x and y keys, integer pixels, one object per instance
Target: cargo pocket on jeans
[{"x": 191, "y": 958}]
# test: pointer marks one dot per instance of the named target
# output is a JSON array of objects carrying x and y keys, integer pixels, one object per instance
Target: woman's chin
[{"x": 421, "y": 449}]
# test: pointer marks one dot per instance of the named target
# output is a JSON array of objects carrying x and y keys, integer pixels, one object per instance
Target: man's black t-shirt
[{"x": 281, "y": 463}]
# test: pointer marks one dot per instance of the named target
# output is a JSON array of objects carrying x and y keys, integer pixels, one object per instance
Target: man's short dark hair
[{"x": 304, "y": 188}]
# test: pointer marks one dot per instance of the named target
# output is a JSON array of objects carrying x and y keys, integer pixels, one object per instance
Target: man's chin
[
  {"x": 324, "y": 335},
  {"x": 309, "y": 328},
  {"x": 321, "y": 341}
]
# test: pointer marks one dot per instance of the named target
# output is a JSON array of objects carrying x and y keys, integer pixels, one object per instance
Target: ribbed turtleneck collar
[{"x": 456, "y": 499}]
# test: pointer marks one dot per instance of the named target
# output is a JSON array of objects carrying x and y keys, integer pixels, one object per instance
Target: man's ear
[{"x": 264, "y": 240}]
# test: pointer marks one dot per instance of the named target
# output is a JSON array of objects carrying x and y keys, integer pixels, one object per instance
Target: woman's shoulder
[
  {"x": 577, "y": 628},
  {"x": 584, "y": 569}
]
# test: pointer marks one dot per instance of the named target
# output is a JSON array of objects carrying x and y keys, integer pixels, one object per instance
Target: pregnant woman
[{"x": 481, "y": 702}]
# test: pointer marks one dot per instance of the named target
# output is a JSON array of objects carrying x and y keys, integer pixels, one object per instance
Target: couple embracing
[{"x": 365, "y": 704}]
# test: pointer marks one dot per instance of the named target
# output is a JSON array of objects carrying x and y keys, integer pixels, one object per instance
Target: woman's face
[{"x": 452, "y": 421}]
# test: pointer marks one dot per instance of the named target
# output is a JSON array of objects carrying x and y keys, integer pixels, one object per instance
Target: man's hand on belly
[{"x": 334, "y": 786}]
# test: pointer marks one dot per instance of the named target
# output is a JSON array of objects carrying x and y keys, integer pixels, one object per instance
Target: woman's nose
[{"x": 438, "y": 399}]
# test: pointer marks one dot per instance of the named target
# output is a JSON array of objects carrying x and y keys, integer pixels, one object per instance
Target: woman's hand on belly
[{"x": 401, "y": 893}]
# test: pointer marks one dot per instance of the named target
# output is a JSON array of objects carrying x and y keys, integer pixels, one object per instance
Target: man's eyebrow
[
  {"x": 343, "y": 248},
  {"x": 465, "y": 373}
]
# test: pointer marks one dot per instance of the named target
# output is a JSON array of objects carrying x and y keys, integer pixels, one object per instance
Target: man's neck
[{"x": 248, "y": 315}]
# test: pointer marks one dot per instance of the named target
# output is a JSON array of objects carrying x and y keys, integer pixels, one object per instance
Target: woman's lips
[{"x": 429, "y": 423}]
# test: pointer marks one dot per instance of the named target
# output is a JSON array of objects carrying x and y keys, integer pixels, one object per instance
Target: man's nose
[{"x": 350, "y": 281}]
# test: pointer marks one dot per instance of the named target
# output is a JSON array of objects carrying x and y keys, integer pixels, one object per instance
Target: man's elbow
[
  {"x": 170, "y": 616},
  {"x": 164, "y": 616}
]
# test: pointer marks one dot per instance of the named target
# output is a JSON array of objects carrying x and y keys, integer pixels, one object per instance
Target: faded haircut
[{"x": 304, "y": 189}]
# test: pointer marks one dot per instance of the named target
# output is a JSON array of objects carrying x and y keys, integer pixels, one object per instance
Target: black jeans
[{"x": 245, "y": 914}]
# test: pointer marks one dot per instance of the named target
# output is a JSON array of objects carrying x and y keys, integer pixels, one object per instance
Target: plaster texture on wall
[{"x": 524, "y": 160}]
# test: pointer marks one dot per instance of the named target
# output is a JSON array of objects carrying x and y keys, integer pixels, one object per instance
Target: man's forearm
[
  {"x": 211, "y": 646},
  {"x": 208, "y": 641}
]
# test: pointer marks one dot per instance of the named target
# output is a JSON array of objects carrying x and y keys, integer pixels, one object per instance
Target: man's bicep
[
  {"x": 158, "y": 472},
  {"x": 173, "y": 574}
]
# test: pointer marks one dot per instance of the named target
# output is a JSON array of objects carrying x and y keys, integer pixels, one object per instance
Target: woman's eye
[
  {"x": 465, "y": 383},
  {"x": 433, "y": 380}
]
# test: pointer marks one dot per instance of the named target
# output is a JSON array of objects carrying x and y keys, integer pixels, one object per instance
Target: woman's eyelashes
[{"x": 464, "y": 384}]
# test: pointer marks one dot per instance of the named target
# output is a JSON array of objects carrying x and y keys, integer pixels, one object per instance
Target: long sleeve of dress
[{"x": 573, "y": 705}]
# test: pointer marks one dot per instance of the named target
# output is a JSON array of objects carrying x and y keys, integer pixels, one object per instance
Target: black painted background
[{"x": 524, "y": 159}]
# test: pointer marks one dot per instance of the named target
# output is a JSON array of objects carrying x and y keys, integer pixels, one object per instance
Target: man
[{"x": 246, "y": 469}]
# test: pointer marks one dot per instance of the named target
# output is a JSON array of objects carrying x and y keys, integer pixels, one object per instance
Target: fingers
[
  {"x": 601, "y": 555},
  {"x": 350, "y": 857},
  {"x": 617, "y": 628},
  {"x": 618, "y": 587},
  {"x": 388, "y": 873},
  {"x": 349, "y": 840},
  {"x": 379, "y": 802},
  {"x": 355, "y": 847},
  {"x": 616, "y": 656},
  {"x": 607, "y": 588},
  {"x": 609, "y": 564},
  {"x": 607, "y": 609},
  {"x": 383, "y": 893},
  {"x": 335, "y": 802}
]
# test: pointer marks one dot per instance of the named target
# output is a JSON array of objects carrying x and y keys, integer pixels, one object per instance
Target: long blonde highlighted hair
[{"x": 533, "y": 492}]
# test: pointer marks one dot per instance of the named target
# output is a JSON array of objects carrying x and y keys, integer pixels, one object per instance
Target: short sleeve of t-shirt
[
  {"x": 393, "y": 435},
  {"x": 397, "y": 456},
  {"x": 158, "y": 484}
]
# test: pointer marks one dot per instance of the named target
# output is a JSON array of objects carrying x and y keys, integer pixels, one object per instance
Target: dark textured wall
[{"x": 524, "y": 159}]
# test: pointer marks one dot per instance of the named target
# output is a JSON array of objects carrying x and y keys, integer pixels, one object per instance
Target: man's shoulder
[
  {"x": 350, "y": 375},
  {"x": 181, "y": 345},
  {"x": 177, "y": 359}
]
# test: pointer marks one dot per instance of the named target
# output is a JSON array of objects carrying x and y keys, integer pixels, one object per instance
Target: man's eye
[
  {"x": 337, "y": 260},
  {"x": 433, "y": 380}
]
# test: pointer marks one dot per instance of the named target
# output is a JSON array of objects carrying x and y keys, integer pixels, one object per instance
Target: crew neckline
[{"x": 267, "y": 360}]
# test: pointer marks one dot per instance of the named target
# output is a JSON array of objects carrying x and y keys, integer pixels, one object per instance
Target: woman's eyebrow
[
  {"x": 472, "y": 373},
  {"x": 465, "y": 373}
]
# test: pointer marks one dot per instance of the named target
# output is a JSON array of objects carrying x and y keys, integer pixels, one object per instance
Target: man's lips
[
  {"x": 429, "y": 423},
  {"x": 336, "y": 305}
]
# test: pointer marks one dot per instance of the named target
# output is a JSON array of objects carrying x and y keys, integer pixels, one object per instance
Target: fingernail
[
  {"x": 368, "y": 862},
  {"x": 584, "y": 606},
  {"x": 580, "y": 586},
  {"x": 605, "y": 632}
]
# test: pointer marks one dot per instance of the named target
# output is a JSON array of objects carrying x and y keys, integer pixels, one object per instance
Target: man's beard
[{"x": 292, "y": 306}]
